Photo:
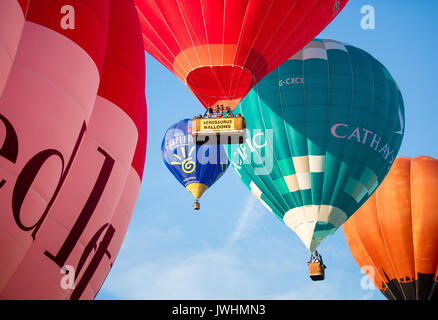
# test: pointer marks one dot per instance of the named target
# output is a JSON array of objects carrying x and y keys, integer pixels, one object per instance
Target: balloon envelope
[
  {"x": 195, "y": 167},
  {"x": 220, "y": 49},
  {"x": 394, "y": 235},
  {"x": 73, "y": 142},
  {"x": 323, "y": 131}
]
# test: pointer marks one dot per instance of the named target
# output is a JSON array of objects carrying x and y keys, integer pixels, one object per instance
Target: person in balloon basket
[{"x": 317, "y": 258}]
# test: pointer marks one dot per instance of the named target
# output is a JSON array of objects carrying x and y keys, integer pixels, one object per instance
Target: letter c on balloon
[{"x": 333, "y": 130}]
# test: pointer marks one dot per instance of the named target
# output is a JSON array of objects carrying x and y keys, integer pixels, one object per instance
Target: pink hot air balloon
[{"x": 72, "y": 142}]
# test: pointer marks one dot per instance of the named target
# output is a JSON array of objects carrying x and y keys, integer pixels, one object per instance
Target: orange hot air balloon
[
  {"x": 72, "y": 142},
  {"x": 221, "y": 49},
  {"x": 394, "y": 235}
]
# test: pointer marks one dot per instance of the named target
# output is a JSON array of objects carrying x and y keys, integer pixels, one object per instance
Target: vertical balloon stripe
[
  {"x": 138, "y": 162},
  {"x": 24, "y": 4},
  {"x": 424, "y": 183},
  {"x": 255, "y": 179},
  {"x": 12, "y": 15},
  {"x": 121, "y": 218},
  {"x": 78, "y": 79},
  {"x": 396, "y": 228},
  {"x": 269, "y": 119},
  {"x": 123, "y": 78},
  {"x": 361, "y": 108},
  {"x": 123, "y": 84},
  {"x": 376, "y": 247},
  {"x": 396, "y": 231},
  {"x": 329, "y": 137}
]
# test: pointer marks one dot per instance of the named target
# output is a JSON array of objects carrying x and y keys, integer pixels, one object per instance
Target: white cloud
[
  {"x": 213, "y": 273},
  {"x": 310, "y": 291},
  {"x": 206, "y": 275},
  {"x": 370, "y": 294},
  {"x": 247, "y": 216},
  {"x": 258, "y": 259}
]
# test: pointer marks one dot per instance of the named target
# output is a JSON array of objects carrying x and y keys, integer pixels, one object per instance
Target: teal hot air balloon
[{"x": 323, "y": 130}]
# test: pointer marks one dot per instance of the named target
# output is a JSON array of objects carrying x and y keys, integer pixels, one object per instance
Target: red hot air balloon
[
  {"x": 221, "y": 49},
  {"x": 72, "y": 143}
]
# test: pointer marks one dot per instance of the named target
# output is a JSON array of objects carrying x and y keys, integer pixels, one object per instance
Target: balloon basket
[
  {"x": 316, "y": 267},
  {"x": 196, "y": 205},
  {"x": 316, "y": 271},
  {"x": 218, "y": 127}
]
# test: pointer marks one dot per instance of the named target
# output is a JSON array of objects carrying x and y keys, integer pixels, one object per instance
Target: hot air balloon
[
  {"x": 196, "y": 167},
  {"x": 394, "y": 235},
  {"x": 323, "y": 131},
  {"x": 221, "y": 49},
  {"x": 73, "y": 142}
]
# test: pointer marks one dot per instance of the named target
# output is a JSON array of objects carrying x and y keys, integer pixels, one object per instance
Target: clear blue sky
[{"x": 233, "y": 248}]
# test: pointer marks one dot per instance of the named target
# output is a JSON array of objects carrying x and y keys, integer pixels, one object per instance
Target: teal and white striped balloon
[{"x": 323, "y": 131}]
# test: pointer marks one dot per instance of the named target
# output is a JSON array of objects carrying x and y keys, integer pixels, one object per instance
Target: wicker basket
[{"x": 316, "y": 271}]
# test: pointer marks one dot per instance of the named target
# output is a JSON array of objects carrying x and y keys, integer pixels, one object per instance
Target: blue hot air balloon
[{"x": 196, "y": 167}]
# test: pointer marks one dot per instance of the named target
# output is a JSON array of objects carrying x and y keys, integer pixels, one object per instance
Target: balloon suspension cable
[
  {"x": 315, "y": 257},
  {"x": 316, "y": 267}
]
